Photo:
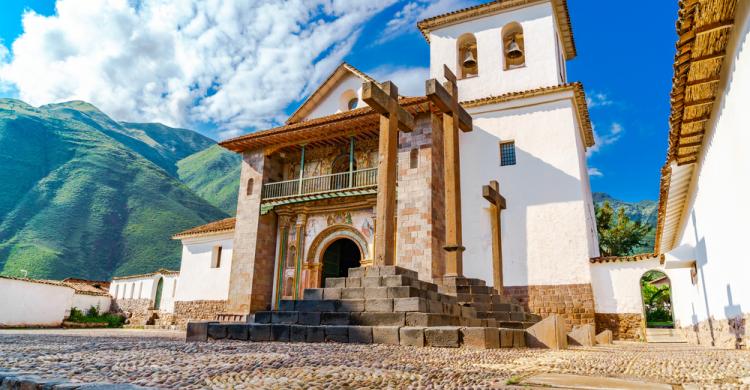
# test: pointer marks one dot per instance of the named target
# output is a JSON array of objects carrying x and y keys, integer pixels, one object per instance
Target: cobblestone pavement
[{"x": 162, "y": 359}]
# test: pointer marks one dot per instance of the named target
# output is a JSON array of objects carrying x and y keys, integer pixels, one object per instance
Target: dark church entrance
[{"x": 341, "y": 255}]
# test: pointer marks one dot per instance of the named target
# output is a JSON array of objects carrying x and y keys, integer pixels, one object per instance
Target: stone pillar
[
  {"x": 251, "y": 278},
  {"x": 284, "y": 222}
]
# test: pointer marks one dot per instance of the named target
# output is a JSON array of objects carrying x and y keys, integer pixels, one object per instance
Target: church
[{"x": 484, "y": 177}]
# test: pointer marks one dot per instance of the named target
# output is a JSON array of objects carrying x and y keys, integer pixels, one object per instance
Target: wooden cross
[
  {"x": 454, "y": 118},
  {"x": 497, "y": 204},
  {"x": 393, "y": 118}
]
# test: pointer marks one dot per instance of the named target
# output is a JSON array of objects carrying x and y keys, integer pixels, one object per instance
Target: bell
[
  {"x": 469, "y": 60},
  {"x": 514, "y": 51}
]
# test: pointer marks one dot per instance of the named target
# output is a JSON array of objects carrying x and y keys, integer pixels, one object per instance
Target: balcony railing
[{"x": 321, "y": 184}]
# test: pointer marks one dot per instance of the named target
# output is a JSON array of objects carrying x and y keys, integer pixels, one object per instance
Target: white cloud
[
  {"x": 236, "y": 63},
  {"x": 407, "y": 17},
  {"x": 595, "y": 172},
  {"x": 598, "y": 99},
  {"x": 410, "y": 81},
  {"x": 611, "y": 136}
]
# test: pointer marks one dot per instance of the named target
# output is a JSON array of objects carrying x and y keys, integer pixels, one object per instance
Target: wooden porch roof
[{"x": 328, "y": 130}]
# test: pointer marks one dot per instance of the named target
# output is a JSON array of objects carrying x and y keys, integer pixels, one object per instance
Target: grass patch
[{"x": 92, "y": 315}]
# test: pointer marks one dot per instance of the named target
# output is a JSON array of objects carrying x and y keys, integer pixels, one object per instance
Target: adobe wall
[{"x": 573, "y": 302}]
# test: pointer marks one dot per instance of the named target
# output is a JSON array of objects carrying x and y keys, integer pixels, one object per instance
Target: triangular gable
[{"x": 323, "y": 93}]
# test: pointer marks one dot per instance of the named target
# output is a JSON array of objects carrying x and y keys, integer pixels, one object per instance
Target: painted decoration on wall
[
  {"x": 367, "y": 229},
  {"x": 339, "y": 217}
]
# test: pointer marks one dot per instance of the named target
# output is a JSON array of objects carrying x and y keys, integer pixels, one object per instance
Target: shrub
[{"x": 93, "y": 315}]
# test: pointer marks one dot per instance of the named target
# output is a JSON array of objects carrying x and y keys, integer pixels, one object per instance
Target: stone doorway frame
[{"x": 323, "y": 240}]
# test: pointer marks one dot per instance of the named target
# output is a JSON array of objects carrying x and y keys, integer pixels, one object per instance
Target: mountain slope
[
  {"x": 213, "y": 174},
  {"x": 80, "y": 198},
  {"x": 645, "y": 211}
]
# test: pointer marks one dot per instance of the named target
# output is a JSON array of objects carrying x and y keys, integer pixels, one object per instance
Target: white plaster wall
[
  {"x": 168, "y": 293},
  {"x": 198, "y": 281},
  {"x": 33, "y": 304},
  {"x": 546, "y": 232},
  {"x": 84, "y": 301},
  {"x": 134, "y": 288},
  {"x": 333, "y": 103},
  {"x": 542, "y": 65},
  {"x": 617, "y": 287},
  {"x": 714, "y": 232}
]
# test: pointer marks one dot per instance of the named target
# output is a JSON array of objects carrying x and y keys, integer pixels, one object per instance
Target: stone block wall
[
  {"x": 185, "y": 311},
  {"x": 414, "y": 216},
  {"x": 136, "y": 310},
  {"x": 624, "y": 326},
  {"x": 573, "y": 302},
  {"x": 731, "y": 334}
]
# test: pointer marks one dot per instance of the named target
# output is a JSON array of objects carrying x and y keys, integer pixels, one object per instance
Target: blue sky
[{"x": 625, "y": 55}]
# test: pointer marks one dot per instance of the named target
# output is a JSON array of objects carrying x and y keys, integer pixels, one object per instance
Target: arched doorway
[
  {"x": 159, "y": 288},
  {"x": 656, "y": 292},
  {"x": 338, "y": 257}
]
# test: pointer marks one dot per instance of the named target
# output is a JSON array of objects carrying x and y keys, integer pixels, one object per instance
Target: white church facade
[{"x": 308, "y": 197}]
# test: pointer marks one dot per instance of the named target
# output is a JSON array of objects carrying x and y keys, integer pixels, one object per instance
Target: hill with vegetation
[
  {"x": 82, "y": 195},
  {"x": 645, "y": 211},
  {"x": 213, "y": 174}
]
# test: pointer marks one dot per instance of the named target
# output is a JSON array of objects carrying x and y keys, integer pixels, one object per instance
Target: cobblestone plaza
[{"x": 162, "y": 359}]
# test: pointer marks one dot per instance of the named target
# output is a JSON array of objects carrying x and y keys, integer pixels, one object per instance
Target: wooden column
[
  {"x": 454, "y": 118},
  {"x": 497, "y": 204},
  {"x": 393, "y": 118}
]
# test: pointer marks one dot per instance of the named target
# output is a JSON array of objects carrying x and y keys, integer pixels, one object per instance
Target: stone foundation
[
  {"x": 136, "y": 310},
  {"x": 730, "y": 334},
  {"x": 185, "y": 311},
  {"x": 573, "y": 302},
  {"x": 624, "y": 326}
]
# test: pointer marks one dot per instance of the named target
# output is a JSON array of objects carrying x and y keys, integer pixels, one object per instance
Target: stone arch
[{"x": 331, "y": 234}]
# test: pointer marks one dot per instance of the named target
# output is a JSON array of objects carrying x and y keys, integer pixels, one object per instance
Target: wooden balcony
[{"x": 307, "y": 187}]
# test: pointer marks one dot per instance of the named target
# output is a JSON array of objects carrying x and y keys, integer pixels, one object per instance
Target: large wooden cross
[
  {"x": 454, "y": 118},
  {"x": 497, "y": 204},
  {"x": 393, "y": 118}
]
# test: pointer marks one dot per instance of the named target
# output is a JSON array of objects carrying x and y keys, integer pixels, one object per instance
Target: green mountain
[
  {"x": 213, "y": 174},
  {"x": 645, "y": 211},
  {"x": 82, "y": 195}
]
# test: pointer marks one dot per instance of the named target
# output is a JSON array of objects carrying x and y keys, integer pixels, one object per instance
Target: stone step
[{"x": 434, "y": 336}]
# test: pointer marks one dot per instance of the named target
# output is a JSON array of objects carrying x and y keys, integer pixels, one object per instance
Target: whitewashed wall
[
  {"x": 26, "y": 303},
  {"x": 542, "y": 67},
  {"x": 85, "y": 301},
  {"x": 338, "y": 97},
  {"x": 144, "y": 287},
  {"x": 548, "y": 234},
  {"x": 714, "y": 232},
  {"x": 198, "y": 281},
  {"x": 617, "y": 285}
]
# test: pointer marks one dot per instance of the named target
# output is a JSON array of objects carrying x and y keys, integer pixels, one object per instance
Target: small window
[
  {"x": 507, "y": 153},
  {"x": 249, "y": 189},
  {"x": 414, "y": 159},
  {"x": 216, "y": 257},
  {"x": 352, "y": 103}
]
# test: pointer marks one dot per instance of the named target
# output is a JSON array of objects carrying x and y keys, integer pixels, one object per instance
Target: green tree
[{"x": 618, "y": 235}]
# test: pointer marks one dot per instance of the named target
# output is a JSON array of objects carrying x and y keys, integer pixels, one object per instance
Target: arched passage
[
  {"x": 656, "y": 292},
  {"x": 159, "y": 291},
  {"x": 338, "y": 257}
]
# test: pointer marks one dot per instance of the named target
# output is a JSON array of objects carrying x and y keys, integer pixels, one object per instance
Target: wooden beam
[
  {"x": 381, "y": 102},
  {"x": 439, "y": 96}
]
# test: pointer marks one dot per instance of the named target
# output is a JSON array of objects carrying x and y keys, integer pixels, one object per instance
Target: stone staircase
[
  {"x": 390, "y": 305},
  {"x": 664, "y": 335}
]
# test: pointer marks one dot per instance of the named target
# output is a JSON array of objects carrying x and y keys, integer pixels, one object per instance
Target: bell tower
[{"x": 502, "y": 46}]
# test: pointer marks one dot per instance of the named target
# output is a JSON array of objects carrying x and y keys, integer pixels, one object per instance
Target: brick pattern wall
[
  {"x": 732, "y": 334},
  {"x": 414, "y": 200},
  {"x": 136, "y": 310},
  {"x": 624, "y": 326},
  {"x": 185, "y": 311},
  {"x": 573, "y": 302}
]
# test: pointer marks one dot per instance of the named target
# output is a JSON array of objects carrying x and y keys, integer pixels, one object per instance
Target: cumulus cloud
[
  {"x": 235, "y": 63},
  {"x": 407, "y": 17},
  {"x": 595, "y": 172},
  {"x": 598, "y": 99},
  {"x": 409, "y": 80},
  {"x": 609, "y": 137}
]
